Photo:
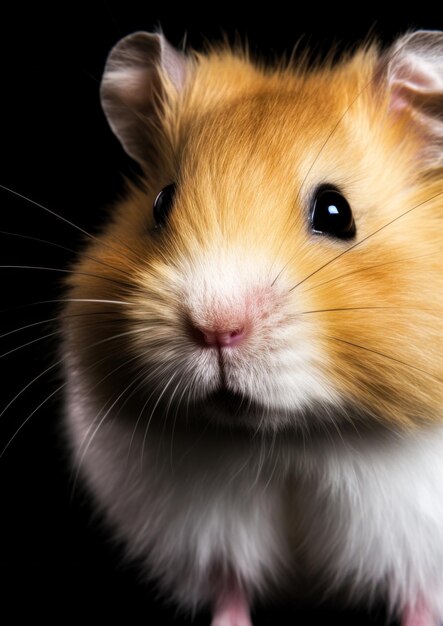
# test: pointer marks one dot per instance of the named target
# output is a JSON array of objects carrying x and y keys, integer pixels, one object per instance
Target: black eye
[
  {"x": 331, "y": 214},
  {"x": 163, "y": 204}
]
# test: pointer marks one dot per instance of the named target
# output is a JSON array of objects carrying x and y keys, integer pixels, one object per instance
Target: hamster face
[{"x": 233, "y": 306}]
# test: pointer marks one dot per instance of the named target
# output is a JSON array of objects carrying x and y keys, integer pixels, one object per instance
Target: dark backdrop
[{"x": 57, "y": 150}]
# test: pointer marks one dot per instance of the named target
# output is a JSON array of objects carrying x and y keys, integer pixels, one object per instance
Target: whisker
[
  {"x": 86, "y": 448},
  {"x": 279, "y": 274},
  {"x": 60, "y": 331},
  {"x": 271, "y": 454},
  {"x": 177, "y": 408},
  {"x": 61, "y": 247},
  {"x": 34, "y": 380},
  {"x": 115, "y": 369},
  {"x": 335, "y": 425},
  {"x": 167, "y": 409},
  {"x": 370, "y": 267},
  {"x": 152, "y": 414},
  {"x": 17, "y": 330},
  {"x": 64, "y": 300},
  {"x": 370, "y": 308},
  {"x": 346, "y": 111},
  {"x": 151, "y": 373},
  {"x": 331, "y": 133},
  {"x": 58, "y": 216},
  {"x": 23, "y": 424},
  {"x": 133, "y": 331},
  {"x": 359, "y": 243},
  {"x": 29, "y": 343},
  {"x": 258, "y": 429},
  {"x": 66, "y": 271},
  {"x": 86, "y": 300},
  {"x": 62, "y": 316},
  {"x": 322, "y": 147},
  {"x": 262, "y": 454},
  {"x": 136, "y": 389},
  {"x": 386, "y": 356},
  {"x": 53, "y": 213},
  {"x": 101, "y": 341}
]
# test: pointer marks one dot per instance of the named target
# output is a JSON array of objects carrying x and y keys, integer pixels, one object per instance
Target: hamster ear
[
  {"x": 140, "y": 70},
  {"x": 414, "y": 71}
]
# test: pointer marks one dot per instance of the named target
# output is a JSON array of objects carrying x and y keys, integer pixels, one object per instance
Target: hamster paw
[
  {"x": 419, "y": 615},
  {"x": 231, "y": 620},
  {"x": 232, "y": 609}
]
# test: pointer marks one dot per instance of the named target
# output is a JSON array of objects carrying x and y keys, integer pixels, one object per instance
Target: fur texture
[{"x": 328, "y": 468}]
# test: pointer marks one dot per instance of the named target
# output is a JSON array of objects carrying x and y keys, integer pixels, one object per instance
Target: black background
[{"x": 57, "y": 150}]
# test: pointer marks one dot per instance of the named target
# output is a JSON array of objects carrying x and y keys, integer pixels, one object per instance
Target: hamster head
[{"x": 280, "y": 263}]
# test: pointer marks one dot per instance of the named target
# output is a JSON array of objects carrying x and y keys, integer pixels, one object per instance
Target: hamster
[{"x": 253, "y": 344}]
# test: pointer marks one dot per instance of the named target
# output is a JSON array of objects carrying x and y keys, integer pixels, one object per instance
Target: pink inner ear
[
  {"x": 399, "y": 101},
  {"x": 411, "y": 75},
  {"x": 174, "y": 64},
  {"x": 133, "y": 86}
]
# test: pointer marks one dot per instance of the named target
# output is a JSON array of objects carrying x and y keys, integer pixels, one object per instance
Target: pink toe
[
  {"x": 419, "y": 615},
  {"x": 232, "y": 609}
]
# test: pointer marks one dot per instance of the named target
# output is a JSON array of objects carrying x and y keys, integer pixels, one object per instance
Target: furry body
[
  {"x": 355, "y": 515},
  {"x": 328, "y": 471}
]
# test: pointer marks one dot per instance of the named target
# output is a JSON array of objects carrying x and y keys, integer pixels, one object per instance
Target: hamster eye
[
  {"x": 163, "y": 204},
  {"x": 331, "y": 214}
]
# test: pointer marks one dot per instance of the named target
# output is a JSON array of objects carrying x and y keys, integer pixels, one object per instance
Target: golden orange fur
[
  {"x": 337, "y": 361},
  {"x": 246, "y": 145}
]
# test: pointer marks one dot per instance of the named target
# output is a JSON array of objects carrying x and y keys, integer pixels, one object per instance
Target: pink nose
[{"x": 221, "y": 338}]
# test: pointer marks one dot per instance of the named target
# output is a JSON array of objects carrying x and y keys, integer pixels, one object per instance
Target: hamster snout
[
  {"x": 224, "y": 335},
  {"x": 236, "y": 330},
  {"x": 228, "y": 320}
]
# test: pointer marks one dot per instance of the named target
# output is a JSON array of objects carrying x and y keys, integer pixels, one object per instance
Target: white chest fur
[{"x": 364, "y": 514}]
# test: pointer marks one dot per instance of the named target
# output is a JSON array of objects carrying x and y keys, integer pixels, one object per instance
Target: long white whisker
[
  {"x": 167, "y": 409},
  {"x": 41, "y": 206},
  {"x": 63, "y": 300},
  {"x": 17, "y": 330},
  {"x": 91, "y": 438},
  {"x": 54, "y": 214},
  {"x": 115, "y": 369},
  {"x": 152, "y": 414},
  {"x": 57, "y": 332},
  {"x": 177, "y": 408},
  {"x": 23, "y": 424},
  {"x": 61, "y": 247},
  {"x": 101, "y": 341},
  {"x": 29, "y": 343},
  {"x": 271, "y": 454},
  {"x": 151, "y": 373},
  {"x": 66, "y": 271},
  {"x": 34, "y": 380}
]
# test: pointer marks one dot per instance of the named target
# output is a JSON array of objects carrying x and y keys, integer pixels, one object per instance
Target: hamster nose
[{"x": 226, "y": 338}]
